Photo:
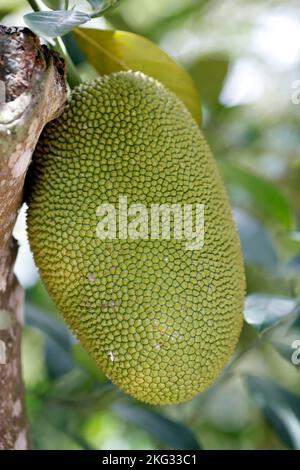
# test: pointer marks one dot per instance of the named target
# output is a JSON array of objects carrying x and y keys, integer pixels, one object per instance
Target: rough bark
[{"x": 32, "y": 92}]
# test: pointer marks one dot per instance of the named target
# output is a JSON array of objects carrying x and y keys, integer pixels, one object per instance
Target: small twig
[
  {"x": 72, "y": 73},
  {"x": 73, "y": 76},
  {"x": 34, "y": 5}
]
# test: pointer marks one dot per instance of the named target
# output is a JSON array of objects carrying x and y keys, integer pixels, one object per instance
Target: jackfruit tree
[
  {"x": 128, "y": 219},
  {"x": 130, "y": 134},
  {"x": 33, "y": 91}
]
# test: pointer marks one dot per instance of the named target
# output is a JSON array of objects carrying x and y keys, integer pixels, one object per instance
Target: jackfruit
[{"x": 160, "y": 319}]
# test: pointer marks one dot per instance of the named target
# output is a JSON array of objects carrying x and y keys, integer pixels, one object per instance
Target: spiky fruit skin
[{"x": 161, "y": 321}]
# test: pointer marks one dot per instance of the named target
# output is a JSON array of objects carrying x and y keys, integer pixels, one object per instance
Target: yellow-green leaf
[{"x": 113, "y": 51}]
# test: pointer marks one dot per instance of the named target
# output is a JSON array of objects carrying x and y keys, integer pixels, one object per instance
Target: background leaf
[
  {"x": 58, "y": 340},
  {"x": 280, "y": 408},
  {"x": 87, "y": 363},
  {"x": 113, "y": 51},
  {"x": 49, "y": 324},
  {"x": 102, "y": 6},
  {"x": 264, "y": 311},
  {"x": 174, "y": 435},
  {"x": 54, "y": 4},
  {"x": 7, "y": 7},
  {"x": 58, "y": 361},
  {"x": 209, "y": 74},
  {"x": 256, "y": 244},
  {"x": 55, "y": 23},
  {"x": 286, "y": 350},
  {"x": 261, "y": 194}
]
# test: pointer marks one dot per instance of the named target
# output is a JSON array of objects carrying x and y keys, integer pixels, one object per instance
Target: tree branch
[{"x": 32, "y": 92}]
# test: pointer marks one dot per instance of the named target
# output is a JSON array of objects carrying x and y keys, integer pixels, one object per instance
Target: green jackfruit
[{"x": 160, "y": 319}]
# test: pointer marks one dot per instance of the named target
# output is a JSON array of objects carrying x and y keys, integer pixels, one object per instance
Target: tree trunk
[{"x": 32, "y": 92}]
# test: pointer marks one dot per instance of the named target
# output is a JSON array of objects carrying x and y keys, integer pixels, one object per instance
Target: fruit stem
[
  {"x": 33, "y": 5},
  {"x": 72, "y": 73}
]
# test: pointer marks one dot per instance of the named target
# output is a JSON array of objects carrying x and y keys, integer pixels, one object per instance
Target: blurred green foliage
[{"x": 255, "y": 404}]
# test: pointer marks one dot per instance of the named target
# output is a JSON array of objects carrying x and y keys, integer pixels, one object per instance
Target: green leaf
[
  {"x": 289, "y": 351},
  {"x": 78, "y": 389},
  {"x": 54, "y": 4},
  {"x": 257, "y": 246},
  {"x": 184, "y": 14},
  {"x": 96, "y": 4},
  {"x": 87, "y": 363},
  {"x": 58, "y": 361},
  {"x": 296, "y": 322},
  {"x": 55, "y": 23},
  {"x": 209, "y": 74},
  {"x": 73, "y": 436},
  {"x": 102, "y": 6},
  {"x": 266, "y": 311},
  {"x": 48, "y": 324},
  {"x": 174, "y": 435},
  {"x": 71, "y": 386},
  {"x": 259, "y": 194},
  {"x": 280, "y": 408},
  {"x": 38, "y": 297},
  {"x": 114, "y": 51},
  {"x": 58, "y": 341}
]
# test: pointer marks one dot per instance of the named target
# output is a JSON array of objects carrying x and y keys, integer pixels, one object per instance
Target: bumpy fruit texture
[{"x": 160, "y": 320}]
